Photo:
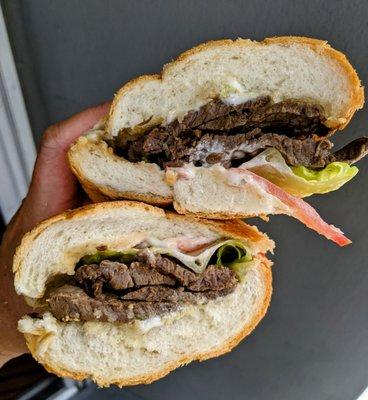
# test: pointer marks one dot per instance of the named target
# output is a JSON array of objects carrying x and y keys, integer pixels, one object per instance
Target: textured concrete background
[{"x": 313, "y": 344}]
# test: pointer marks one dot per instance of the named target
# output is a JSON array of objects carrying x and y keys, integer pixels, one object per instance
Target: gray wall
[{"x": 313, "y": 344}]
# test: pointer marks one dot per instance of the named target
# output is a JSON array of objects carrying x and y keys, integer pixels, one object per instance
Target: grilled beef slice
[
  {"x": 151, "y": 285},
  {"x": 230, "y": 135},
  {"x": 71, "y": 303}
]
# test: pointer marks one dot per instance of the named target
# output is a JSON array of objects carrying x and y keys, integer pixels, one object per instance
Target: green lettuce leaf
[
  {"x": 300, "y": 181},
  {"x": 233, "y": 254},
  {"x": 333, "y": 170},
  {"x": 240, "y": 266}
]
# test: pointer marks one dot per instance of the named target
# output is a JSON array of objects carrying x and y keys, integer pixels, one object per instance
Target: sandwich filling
[
  {"x": 232, "y": 134},
  {"x": 142, "y": 283}
]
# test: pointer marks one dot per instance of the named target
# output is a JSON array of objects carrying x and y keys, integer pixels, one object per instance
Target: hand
[{"x": 53, "y": 189}]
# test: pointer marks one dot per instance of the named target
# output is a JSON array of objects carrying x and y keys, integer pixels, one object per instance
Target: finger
[{"x": 63, "y": 134}]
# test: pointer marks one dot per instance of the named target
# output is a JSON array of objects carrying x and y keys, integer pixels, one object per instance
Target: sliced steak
[
  {"x": 143, "y": 276},
  {"x": 293, "y": 118},
  {"x": 214, "y": 277},
  {"x": 290, "y": 117},
  {"x": 224, "y": 149},
  {"x": 71, "y": 303},
  {"x": 220, "y": 133},
  {"x": 217, "y": 114},
  {"x": 92, "y": 277},
  {"x": 154, "y": 143},
  {"x": 117, "y": 276},
  {"x": 151, "y": 285},
  {"x": 352, "y": 152},
  {"x": 162, "y": 293},
  {"x": 166, "y": 267},
  {"x": 232, "y": 150}
]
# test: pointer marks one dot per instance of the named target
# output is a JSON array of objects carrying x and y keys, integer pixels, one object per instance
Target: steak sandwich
[
  {"x": 230, "y": 129},
  {"x": 129, "y": 292}
]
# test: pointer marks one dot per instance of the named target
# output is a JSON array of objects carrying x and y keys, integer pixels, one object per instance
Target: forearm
[{"x": 12, "y": 306}]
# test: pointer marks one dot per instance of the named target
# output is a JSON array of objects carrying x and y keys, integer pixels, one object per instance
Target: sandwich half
[
  {"x": 230, "y": 129},
  {"x": 127, "y": 292}
]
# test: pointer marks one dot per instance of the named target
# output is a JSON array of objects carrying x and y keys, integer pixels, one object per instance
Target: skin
[{"x": 53, "y": 189}]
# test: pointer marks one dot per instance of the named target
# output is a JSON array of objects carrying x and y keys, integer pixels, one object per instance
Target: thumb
[
  {"x": 54, "y": 188},
  {"x": 64, "y": 133}
]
